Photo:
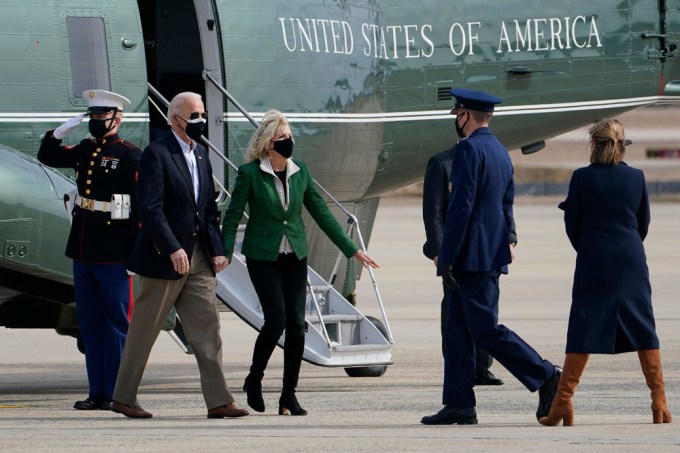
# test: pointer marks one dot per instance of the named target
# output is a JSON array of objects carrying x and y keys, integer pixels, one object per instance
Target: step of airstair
[{"x": 343, "y": 337}]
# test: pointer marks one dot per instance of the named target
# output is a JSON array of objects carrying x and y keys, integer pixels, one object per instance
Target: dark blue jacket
[
  {"x": 606, "y": 215},
  {"x": 436, "y": 202},
  {"x": 168, "y": 211},
  {"x": 479, "y": 217}
]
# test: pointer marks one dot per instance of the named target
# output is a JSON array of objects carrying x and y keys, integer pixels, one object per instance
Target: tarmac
[{"x": 42, "y": 374}]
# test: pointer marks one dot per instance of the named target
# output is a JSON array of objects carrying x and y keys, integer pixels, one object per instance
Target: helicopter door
[{"x": 181, "y": 41}]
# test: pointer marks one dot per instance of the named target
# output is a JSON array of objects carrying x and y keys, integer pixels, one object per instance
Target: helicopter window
[{"x": 88, "y": 53}]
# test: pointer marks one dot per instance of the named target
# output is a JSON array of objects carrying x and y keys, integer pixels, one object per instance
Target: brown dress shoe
[
  {"x": 230, "y": 410},
  {"x": 130, "y": 411}
]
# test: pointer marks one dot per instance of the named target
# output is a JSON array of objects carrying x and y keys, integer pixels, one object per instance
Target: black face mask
[
  {"x": 98, "y": 128},
  {"x": 195, "y": 130},
  {"x": 459, "y": 128},
  {"x": 284, "y": 147}
]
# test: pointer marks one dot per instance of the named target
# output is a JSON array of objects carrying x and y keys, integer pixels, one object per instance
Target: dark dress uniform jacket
[
  {"x": 170, "y": 216},
  {"x": 606, "y": 215},
  {"x": 436, "y": 193},
  {"x": 480, "y": 211},
  {"x": 436, "y": 200},
  {"x": 103, "y": 167}
]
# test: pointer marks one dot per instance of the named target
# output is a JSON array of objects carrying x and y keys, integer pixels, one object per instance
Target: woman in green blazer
[{"x": 275, "y": 188}]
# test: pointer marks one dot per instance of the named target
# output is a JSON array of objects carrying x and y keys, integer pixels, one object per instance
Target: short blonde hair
[
  {"x": 272, "y": 121},
  {"x": 607, "y": 139}
]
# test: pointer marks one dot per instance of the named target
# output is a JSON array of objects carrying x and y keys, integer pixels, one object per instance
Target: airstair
[{"x": 338, "y": 335}]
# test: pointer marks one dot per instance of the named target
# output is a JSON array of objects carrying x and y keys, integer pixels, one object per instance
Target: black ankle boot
[
  {"x": 253, "y": 388},
  {"x": 264, "y": 346},
  {"x": 288, "y": 405},
  {"x": 292, "y": 358}
]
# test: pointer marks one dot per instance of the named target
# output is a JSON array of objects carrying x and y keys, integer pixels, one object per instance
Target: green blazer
[{"x": 268, "y": 221}]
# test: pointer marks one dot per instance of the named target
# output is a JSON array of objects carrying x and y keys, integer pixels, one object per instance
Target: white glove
[{"x": 68, "y": 127}]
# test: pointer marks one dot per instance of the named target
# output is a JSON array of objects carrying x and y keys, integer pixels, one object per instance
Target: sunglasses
[{"x": 196, "y": 115}]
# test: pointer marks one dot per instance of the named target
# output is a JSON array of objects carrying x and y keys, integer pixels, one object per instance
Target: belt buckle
[{"x": 88, "y": 204}]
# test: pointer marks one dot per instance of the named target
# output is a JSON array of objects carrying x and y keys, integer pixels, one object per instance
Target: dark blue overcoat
[{"x": 606, "y": 215}]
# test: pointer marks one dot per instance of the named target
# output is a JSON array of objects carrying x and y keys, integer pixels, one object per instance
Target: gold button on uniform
[
  {"x": 98, "y": 149},
  {"x": 108, "y": 222},
  {"x": 91, "y": 163},
  {"x": 87, "y": 192},
  {"x": 89, "y": 172},
  {"x": 94, "y": 154},
  {"x": 88, "y": 182}
]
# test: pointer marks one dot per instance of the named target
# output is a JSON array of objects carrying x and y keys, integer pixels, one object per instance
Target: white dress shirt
[{"x": 190, "y": 156}]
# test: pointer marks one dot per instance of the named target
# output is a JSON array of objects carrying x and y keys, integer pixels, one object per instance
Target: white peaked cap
[{"x": 102, "y": 98}]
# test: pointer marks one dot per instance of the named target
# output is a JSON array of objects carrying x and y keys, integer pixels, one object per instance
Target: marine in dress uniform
[
  {"x": 473, "y": 254},
  {"x": 103, "y": 231}
]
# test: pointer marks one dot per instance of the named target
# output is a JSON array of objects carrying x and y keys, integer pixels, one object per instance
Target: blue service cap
[{"x": 474, "y": 100}]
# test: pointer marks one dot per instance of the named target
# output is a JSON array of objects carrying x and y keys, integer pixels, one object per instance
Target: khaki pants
[{"x": 193, "y": 296}]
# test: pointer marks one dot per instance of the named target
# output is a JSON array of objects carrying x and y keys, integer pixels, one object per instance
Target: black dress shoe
[
  {"x": 106, "y": 405},
  {"x": 452, "y": 415},
  {"x": 546, "y": 393},
  {"x": 87, "y": 405},
  {"x": 487, "y": 378}
]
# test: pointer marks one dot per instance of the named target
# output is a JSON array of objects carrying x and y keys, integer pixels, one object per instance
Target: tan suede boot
[
  {"x": 562, "y": 408},
  {"x": 650, "y": 361}
]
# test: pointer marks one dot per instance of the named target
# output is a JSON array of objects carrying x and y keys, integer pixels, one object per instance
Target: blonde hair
[
  {"x": 607, "y": 139},
  {"x": 272, "y": 121}
]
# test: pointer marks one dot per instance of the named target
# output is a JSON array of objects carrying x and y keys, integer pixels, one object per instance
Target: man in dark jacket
[
  {"x": 177, "y": 254},
  {"x": 474, "y": 253},
  {"x": 435, "y": 204},
  {"x": 104, "y": 226}
]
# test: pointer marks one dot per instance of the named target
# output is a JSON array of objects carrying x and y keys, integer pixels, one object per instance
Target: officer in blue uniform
[
  {"x": 473, "y": 254},
  {"x": 104, "y": 226},
  {"x": 436, "y": 191}
]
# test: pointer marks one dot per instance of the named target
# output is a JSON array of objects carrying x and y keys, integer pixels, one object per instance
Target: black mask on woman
[
  {"x": 194, "y": 130},
  {"x": 98, "y": 128},
  {"x": 284, "y": 147}
]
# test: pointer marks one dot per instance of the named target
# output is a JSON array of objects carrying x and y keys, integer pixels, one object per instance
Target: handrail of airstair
[{"x": 351, "y": 218}]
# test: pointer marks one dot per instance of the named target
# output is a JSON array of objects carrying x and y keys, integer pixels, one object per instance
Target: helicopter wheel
[{"x": 374, "y": 370}]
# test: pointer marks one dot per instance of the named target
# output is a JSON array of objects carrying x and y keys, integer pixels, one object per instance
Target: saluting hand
[
  {"x": 180, "y": 261},
  {"x": 68, "y": 127},
  {"x": 365, "y": 259}
]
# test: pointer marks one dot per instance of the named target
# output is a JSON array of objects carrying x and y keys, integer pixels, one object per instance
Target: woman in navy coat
[{"x": 606, "y": 215}]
